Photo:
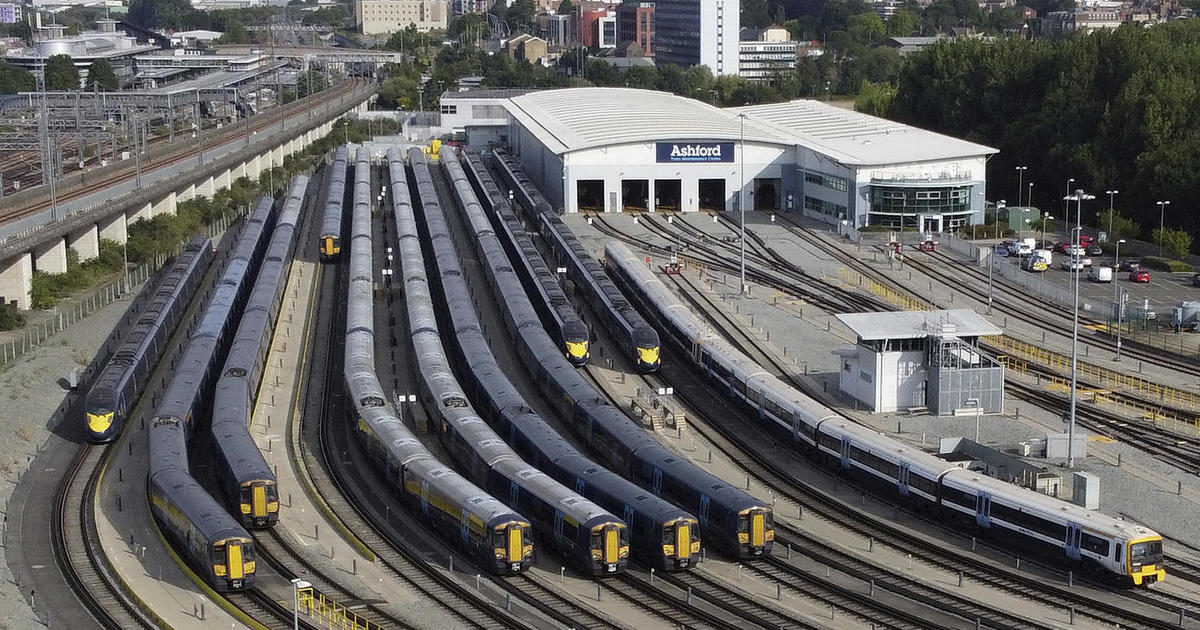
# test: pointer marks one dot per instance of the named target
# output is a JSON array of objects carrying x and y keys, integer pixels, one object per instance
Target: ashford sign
[{"x": 695, "y": 151}]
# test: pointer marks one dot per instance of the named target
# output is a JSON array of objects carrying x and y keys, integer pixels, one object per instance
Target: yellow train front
[
  {"x": 258, "y": 503},
  {"x": 1143, "y": 562},
  {"x": 755, "y": 532},
  {"x": 609, "y": 548},
  {"x": 331, "y": 246},
  {"x": 512, "y": 548},
  {"x": 680, "y": 544}
]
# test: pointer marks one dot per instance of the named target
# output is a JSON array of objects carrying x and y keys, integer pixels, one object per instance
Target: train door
[
  {"x": 704, "y": 501},
  {"x": 558, "y": 526},
  {"x": 1074, "y": 533},
  {"x": 514, "y": 492},
  {"x": 425, "y": 497},
  {"x": 795, "y": 428},
  {"x": 845, "y": 452},
  {"x": 233, "y": 555},
  {"x": 657, "y": 483},
  {"x": 628, "y": 515},
  {"x": 983, "y": 510},
  {"x": 902, "y": 481},
  {"x": 580, "y": 485},
  {"x": 463, "y": 522}
]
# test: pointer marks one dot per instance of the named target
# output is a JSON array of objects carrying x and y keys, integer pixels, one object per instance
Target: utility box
[
  {"x": 1086, "y": 490},
  {"x": 1056, "y": 445}
]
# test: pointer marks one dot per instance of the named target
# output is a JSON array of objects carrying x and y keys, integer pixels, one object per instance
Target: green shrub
[
  {"x": 10, "y": 317},
  {"x": 1166, "y": 264}
]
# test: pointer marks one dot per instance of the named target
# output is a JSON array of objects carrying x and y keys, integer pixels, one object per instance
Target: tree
[
  {"x": 874, "y": 98},
  {"x": 1122, "y": 227},
  {"x": 14, "y": 79},
  {"x": 469, "y": 26},
  {"x": 1176, "y": 243},
  {"x": 755, "y": 14},
  {"x": 566, "y": 7},
  {"x": 904, "y": 22},
  {"x": 61, "y": 73},
  {"x": 101, "y": 76},
  {"x": 235, "y": 33},
  {"x": 520, "y": 15},
  {"x": 400, "y": 92}
]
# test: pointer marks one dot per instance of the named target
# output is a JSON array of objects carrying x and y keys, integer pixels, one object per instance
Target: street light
[
  {"x": 1079, "y": 197},
  {"x": 1162, "y": 207},
  {"x": 1070, "y": 180},
  {"x": 297, "y": 584},
  {"x": 742, "y": 193},
  {"x": 1118, "y": 303},
  {"x": 1045, "y": 217},
  {"x": 1110, "y": 194},
  {"x": 1029, "y": 202},
  {"x": 1020, "y": 181}
]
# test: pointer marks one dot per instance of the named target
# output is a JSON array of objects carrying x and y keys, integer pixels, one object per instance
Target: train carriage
[
  {"x": 1004, "y": 511},
  {"x": 330, "y": 240}
]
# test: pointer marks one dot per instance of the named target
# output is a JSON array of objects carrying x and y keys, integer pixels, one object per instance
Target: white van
[
  {"x": 1100, "y": 274},
  {"x": 1044, "y": 254}
]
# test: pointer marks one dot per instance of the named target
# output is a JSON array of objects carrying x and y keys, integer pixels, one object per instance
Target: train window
[
  {"x": 922, "y": 484},
  {"x": 957, "y": 497},
  {"x": 829, "y": 442},
  {"x": 1094, "y": 544}
]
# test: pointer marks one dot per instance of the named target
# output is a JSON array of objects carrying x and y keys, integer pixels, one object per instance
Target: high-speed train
[
  {"x": 215, "y": 544},
  {"x": 661, "y": 534},
  {"x": 1008, "y": 512},
  {"x": 330, "y": 244},
  {"x": 249, "y": 483},
  {"x": 118, "y": 385},
  {"x": 587, "y": 535},
  {"x": 547, "y": 296},
  {"x": 731, "y": 520},
  {"x": 494, "y": 536},
  {"x": 638, "y": 340}
]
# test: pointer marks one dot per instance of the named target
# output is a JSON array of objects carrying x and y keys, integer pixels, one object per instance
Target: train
[
  {"x": 637, "y": 340},
  {"x": 214, "y": 543},
  {"x": 731, "y": 520},
  {"x": 589, "y": 537},
  {"x": 330, "y": 238},
  {"x": 538, "y": 280},
  {"x": 661, "y": 535},
  {"x": 1128, "y": 552},
  {"x": 117, "y": 387},
  {"x": 249, "y": 483},
  {"x": 487, "y": 531}
]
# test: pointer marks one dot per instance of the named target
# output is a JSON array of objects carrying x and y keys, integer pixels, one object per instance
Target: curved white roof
[{"x": 584, "y": 118}]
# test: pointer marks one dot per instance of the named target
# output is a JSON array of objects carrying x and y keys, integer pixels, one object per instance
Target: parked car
[
  {"x": 1001, "y": 249},
  {"x": 1130, "y": 264},
  {"x": 1076, "y": 263},
  {"x": 1044, "y": 245},
  {"x": 1094, "y": 250},
  {"x": 1086, "y": 240},
  {"x": 1100, "y": 274},
  {"x": 1076, "y": 250},
  {"x": 1061, "y": 247},
  {"x": 1141, "y": 274},
  {"x": 1033, "y": 263}
]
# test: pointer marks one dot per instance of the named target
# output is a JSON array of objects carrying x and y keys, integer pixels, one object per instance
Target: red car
[
  {"x": 1086, "y": 240},
  {"x": 1139, "y": 275}
]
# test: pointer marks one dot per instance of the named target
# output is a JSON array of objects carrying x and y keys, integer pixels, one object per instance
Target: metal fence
[{"x": 63, "y": 317}]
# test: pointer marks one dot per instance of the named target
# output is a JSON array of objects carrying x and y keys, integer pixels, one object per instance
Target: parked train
[
  {"x": 486, "y": 530},
  {"x": 588, "y": 536},
  {"x": 547, "y": 296},
  {"x": 661, "y": 534},
  {"x": 330, "y": 244},
  {"x": 638, "y": 340},
  {"x": 215, "y": 544},
  {"x": 119, "y": 384},
  {"x": 1008, "y": 512},
  {"x": 249, "y": 483},
  {"x": 730, "y": 519}
]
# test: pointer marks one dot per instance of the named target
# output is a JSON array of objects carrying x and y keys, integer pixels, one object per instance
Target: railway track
[
  {"x": 77, "y": 547},
  {"x": 180, "y": 153},
  {"x": 974, "y": 567}
]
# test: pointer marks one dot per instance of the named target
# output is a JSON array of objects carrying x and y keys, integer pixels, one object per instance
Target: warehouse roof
[
  {"x": 959, "y": 322},
  {"x": 584, "y": 118},
  {"x": 858, "y": 139}
]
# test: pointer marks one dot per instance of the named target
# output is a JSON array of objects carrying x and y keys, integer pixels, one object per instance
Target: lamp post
[
  {"x": 1045, "y": 217},
  {"x": 1029, "y": 201},
  {"x": 1020, "y": 181},
  {"x": 1118, "y": 303},
  {"x": 1079, "y": 198},
  {"x": 742, "y": 193},
  {"x": 1162, "y": 207},
  {"x": 297, "y": 584},
  {"x": 1110, "y": 194},
  {"x": 992, "y": 261},
  {"x": 1070, "y": 180}
]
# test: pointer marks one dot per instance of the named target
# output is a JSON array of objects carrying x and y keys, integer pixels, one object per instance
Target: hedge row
[{"x": 1166, "y": 264}]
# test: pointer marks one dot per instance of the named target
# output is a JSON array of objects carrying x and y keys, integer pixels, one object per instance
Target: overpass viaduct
[{"x": 105, "y": 208}]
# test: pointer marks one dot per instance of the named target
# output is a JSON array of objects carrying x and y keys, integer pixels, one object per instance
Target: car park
[
  {"x": 1141, "y": 274},
  {"x": 1100, "y": 273}
]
